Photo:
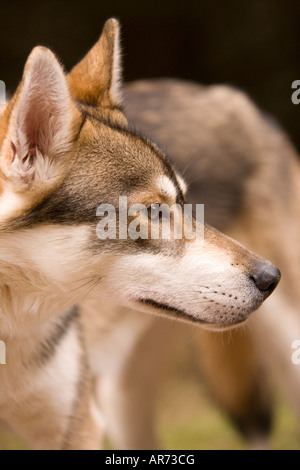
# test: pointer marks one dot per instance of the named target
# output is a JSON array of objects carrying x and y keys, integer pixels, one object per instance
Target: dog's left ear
[
  {"x": 95, "y": 80},
  {"x": 41, "y": 125}
]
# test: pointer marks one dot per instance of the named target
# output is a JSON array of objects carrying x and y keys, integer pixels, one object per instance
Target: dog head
[{"x": 66, "y": 148}]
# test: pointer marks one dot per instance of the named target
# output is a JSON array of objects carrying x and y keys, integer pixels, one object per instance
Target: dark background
[{"x": 252, "y": 44}]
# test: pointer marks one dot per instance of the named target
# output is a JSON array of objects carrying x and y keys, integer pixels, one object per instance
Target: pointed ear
[
  {"x": 95, "y": 80},
  {"x": 40, "y": 124}
]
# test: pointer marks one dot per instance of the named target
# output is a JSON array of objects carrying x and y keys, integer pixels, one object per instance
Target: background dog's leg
[
  {"x": 235, "y": 376},
  {"x": 278, "y": 327}
]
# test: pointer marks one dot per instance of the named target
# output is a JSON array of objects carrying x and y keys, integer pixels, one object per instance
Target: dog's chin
[
  {"x": 221, "y": 327},
  {"x": 173, "y": 313}
]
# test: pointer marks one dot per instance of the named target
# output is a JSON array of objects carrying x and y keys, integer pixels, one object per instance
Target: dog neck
[{"x": 27, "y": 302}]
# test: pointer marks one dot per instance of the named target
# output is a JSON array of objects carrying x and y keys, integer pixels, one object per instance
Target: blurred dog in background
[{"x": 241, "y": 165}]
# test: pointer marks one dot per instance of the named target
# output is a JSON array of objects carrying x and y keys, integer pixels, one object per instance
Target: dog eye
[{"x": 154, "y": 212}]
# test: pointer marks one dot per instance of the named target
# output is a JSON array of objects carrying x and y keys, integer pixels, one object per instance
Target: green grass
[
  {"x": 9, "y": 441},
  {"x": 187, "y": 419}
]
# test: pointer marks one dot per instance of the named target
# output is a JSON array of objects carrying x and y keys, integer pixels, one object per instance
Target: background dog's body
[{"x": 242, "y": 166}]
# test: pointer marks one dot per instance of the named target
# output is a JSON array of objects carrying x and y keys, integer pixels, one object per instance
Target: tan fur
[
  {"x": 243, "y": 167},
  {"x": 95, "y": 80},
  {"x": 32, "y": 408},
  {"x": 65, "y": 148},
  {"x": 56, "y": 172}
]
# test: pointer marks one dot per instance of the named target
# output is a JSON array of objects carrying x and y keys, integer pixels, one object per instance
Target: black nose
[{"x": 266, "y": 277}]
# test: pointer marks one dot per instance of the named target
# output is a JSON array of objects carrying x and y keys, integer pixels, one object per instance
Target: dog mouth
[
  {"x": 178, "y": 314},
  {"x": 172, "y": 311}
]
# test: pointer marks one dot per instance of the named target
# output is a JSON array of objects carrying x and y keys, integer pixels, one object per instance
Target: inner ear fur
[{"x": 39, "y": 125}]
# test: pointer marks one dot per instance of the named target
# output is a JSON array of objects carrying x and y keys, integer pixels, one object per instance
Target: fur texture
[
  {"x": 242, "y": 166},
  {"x": 66, "y": 148}
]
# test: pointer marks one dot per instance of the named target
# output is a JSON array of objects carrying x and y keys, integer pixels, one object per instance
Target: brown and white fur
[
  {"x": 241, "y": 164},
  {"x": 66, "y": 148}
]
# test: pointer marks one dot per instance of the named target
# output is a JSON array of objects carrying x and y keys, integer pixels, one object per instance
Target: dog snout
[{"x": 266, "y": 277}]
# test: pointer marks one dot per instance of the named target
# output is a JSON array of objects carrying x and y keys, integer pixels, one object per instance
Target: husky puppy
[{"x": 65, "y": 149}]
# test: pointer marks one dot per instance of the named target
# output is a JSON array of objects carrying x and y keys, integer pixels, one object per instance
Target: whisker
[
  {"x": 189, "y": 164},
  {"x": 58, "y": 239},
  {"x": 92, "y": 288},
  {"x": 71, "y": 292}
]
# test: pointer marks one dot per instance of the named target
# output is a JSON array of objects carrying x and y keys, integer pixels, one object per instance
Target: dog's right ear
[{"x": 95, "y": 80}]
